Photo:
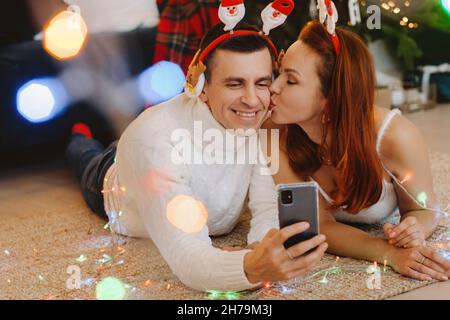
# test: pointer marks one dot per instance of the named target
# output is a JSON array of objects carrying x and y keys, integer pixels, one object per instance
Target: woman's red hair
[{"x": 348, "y": 83}]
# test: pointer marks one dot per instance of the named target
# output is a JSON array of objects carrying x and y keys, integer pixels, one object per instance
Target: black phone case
[{"x": 305, "y": 207}]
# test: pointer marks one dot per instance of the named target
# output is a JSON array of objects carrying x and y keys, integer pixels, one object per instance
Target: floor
[{"x": 433, "y": 124}]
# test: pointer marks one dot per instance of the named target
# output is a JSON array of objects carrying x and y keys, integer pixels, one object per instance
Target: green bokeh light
[
  {"x": 446, "y": 6},
  {"x": 110, "y": 289},
  {"x": 232, "y": 295},
  {"x": 422, "y": 198},
  {"x": 213, "y": 294},
  {"x": 229, "y": 295}
]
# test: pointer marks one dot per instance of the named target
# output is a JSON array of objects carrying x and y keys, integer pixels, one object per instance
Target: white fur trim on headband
[{"x": 332, "y": 19}]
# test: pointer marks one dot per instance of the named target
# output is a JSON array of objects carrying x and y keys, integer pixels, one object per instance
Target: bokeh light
[
  {"x": 157, "y": 181},
  {"x": 82, "y": 258},
  {"x": 446, "y": 6},
  {"x": 232, "y": 295},
  {"x": 161, "y": 82},
  {"x": 187, "y": 214},
  {"x": 40, "y": 100},
  {"x": 406, "y": 178},
  {"x": 65, "y": 35},
  {"x": 213, "y": 294},
  {"x": 110, "y": 289},
  {"x": 422, "y": 198}
]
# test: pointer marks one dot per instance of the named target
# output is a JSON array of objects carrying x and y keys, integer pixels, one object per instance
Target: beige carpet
[{"x": 46, "y": 228}]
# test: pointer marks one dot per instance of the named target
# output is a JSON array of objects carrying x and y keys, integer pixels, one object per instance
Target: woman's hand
[
  {"x": 407, "y": 234},
  {"x": 270, "y": 261},
  {"x": 421, "y": 263}
]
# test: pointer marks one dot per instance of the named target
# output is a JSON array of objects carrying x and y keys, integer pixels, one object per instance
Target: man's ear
[{"x": 204, "y": 95}]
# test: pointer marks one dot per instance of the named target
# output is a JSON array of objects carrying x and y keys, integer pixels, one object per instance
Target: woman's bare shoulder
[{"x": 400, "y": 141}]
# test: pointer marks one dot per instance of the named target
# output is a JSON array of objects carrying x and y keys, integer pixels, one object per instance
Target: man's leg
[{"x": 90, "y": 161}]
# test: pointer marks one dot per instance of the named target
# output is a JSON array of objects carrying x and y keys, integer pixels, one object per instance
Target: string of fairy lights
[{"x": 190, "y": 215}]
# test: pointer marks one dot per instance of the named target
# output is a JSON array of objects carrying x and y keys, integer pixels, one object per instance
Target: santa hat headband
[
  {"x": 239, "y": 33},
  {"x": 195, "y": 79},
  {"x": 273, "y": 16},
  {"x": 284, "y": 7},
  {"x": 231, "y": 3},
  {"x": 328, "y": 14}
]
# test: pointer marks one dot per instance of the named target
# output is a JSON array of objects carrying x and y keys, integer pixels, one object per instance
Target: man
[{"x": 149, "y": 192}]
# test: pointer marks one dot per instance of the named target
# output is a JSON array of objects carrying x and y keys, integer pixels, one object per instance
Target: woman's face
[{"x": 296, "y": 93}]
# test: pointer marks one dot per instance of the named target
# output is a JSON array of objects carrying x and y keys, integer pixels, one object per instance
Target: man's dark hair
[{"x": 243, "y": 44}]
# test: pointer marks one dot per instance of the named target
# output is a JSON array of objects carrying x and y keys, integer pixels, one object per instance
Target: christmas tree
[{"x": 417, "y": 31}]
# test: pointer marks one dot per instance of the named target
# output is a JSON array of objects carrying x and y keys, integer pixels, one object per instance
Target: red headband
[
  {"x": 334, "y": 38},
  {"x": 237, "y": 33}
]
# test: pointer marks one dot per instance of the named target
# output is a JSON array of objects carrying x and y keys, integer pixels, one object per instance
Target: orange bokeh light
[
  {"x": 65, "y": 35},
  {"x": 187, "y": 214}
]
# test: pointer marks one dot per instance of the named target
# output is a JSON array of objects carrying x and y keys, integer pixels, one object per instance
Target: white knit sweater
[{"x": 147, "y": 145}]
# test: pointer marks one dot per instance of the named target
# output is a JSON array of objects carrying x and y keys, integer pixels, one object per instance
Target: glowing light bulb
[
  {"x": 324, "y": 280},
  {"x": 65, "y": 35},
  {"x": 81, "y": 258}
]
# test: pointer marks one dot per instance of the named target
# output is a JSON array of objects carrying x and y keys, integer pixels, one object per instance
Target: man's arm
[
  {"x": 262, "y": 203},
  {"x": 191, "y": 256}
]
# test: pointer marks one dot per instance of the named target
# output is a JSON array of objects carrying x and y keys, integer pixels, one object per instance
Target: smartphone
[{"x": 299, "y": 202}]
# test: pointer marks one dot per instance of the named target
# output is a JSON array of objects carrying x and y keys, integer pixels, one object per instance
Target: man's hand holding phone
[{"x": 271, "y": 261}]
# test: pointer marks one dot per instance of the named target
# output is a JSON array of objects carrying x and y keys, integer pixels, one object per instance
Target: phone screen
[{"x": 297, "y": 203}]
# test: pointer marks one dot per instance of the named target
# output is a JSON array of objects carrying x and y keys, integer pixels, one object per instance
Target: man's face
[{"x": 238, "y": 89}]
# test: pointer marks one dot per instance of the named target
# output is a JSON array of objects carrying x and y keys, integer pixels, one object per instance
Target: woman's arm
[
  {"x": 348, "y": 241},
  {"x": 418, "y": 262},
  {"x": 405, "y": 154}
]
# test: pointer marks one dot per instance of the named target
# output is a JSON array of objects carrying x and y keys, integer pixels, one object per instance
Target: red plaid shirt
[{"x": 182, "y": 25}]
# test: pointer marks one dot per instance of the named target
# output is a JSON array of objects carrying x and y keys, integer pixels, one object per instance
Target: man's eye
[
  {"x": 264, "y": 84},
  {"x": 233, "y": 85}
]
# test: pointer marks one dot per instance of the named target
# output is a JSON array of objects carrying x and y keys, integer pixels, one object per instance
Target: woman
[{"x": 365, "y": 159}]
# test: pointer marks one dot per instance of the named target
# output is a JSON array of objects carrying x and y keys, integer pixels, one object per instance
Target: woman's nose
[
  {"x": 250, "y": 97},
  {"x": 274, "y": 88}
]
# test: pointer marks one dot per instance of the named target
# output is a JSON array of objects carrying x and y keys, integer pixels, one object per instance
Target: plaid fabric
[{"x": 182, "y": 25}]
